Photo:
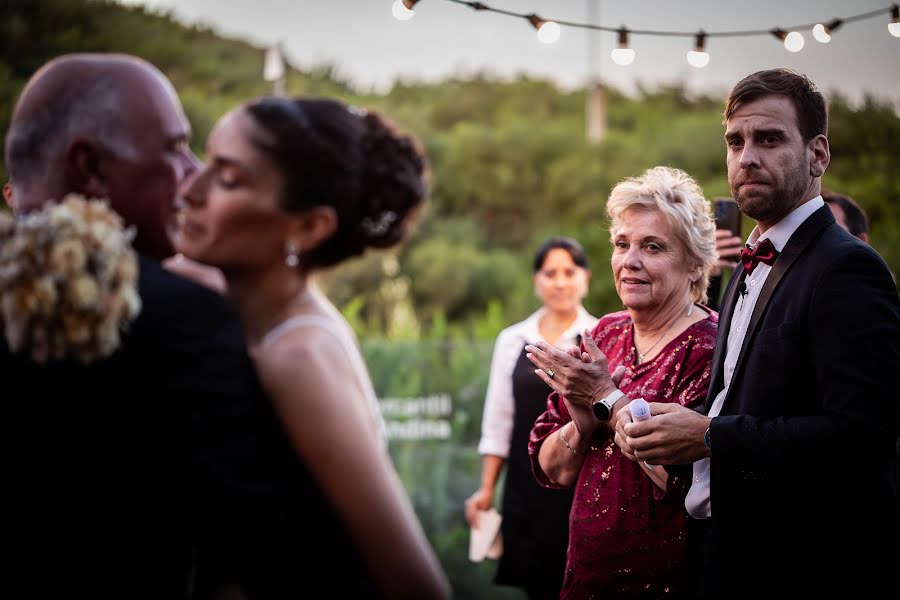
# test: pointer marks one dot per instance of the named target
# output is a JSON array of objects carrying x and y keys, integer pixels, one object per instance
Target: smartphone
[{"x": 728, "y": 215}]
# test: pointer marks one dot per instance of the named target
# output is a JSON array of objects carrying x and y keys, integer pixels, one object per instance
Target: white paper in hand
[{"x": 485, "y": 541}]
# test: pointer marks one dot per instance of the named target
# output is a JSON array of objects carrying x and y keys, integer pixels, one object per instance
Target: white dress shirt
[
  {"x": 697, "y": 501},
  {"x": 499, "y": 404}
]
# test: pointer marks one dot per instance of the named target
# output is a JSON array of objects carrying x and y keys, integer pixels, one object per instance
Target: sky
[{"x": 372, "y": 49}]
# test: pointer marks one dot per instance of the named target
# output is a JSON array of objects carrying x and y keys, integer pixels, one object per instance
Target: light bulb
[
  {"x": 548, "y": 32},
  {"x": 622, "y": 56},
  {"x": 401, "y": 13},
  {"x": 822, "y": 33},
  {"x": 273, "y": 66},
  {"x": 698, "y": 59},
  {"x": 894, "y": 28},
  {"x": 794, "y": 41}
]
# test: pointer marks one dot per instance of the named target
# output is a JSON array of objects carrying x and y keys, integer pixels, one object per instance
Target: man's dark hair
[
  {"x": 857, "y": 222},
  {"x": 812, "y": 114}
]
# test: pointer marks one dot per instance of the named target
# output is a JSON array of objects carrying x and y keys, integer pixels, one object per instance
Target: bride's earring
[{"x": 292, "y": 255}]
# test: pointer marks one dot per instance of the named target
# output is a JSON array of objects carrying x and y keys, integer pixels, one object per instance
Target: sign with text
[{"x": 426, "y": 417}]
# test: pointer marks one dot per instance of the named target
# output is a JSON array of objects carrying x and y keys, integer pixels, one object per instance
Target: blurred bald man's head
[{"x": 106, "y": 126}]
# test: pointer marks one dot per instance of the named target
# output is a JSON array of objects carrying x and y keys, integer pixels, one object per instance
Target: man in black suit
[
  {"x": 791, "y": 494},
  {"x": 122, "y": 473}
]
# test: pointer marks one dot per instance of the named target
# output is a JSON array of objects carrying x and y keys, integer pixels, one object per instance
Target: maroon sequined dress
[{"x": 626, "y": 536}]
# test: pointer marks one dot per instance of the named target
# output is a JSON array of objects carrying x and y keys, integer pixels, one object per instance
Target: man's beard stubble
[{"x": 781, "y": 200}]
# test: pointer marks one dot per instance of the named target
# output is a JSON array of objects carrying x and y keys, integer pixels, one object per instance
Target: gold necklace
[{"x": 641, "y": 355}]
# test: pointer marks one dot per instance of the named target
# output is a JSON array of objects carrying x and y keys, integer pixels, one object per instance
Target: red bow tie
[{"x": 764, "y": 252}]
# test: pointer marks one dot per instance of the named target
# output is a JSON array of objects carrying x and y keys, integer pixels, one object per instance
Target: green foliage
[
  {"x": 864, "y": 146},
  {"x": 510, "y": 161},
  {"x": 440, "y": 474}
]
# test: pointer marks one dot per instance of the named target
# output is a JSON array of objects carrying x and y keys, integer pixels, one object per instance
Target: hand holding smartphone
[
  {"x": 728, "y": 215},
  {"x": 728, "y": 245}
]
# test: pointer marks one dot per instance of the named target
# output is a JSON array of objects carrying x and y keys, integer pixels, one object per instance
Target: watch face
[{"x": 601, "y": 411}]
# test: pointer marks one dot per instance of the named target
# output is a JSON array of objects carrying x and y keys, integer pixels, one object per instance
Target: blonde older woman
[{"x": 627, "y": 525}]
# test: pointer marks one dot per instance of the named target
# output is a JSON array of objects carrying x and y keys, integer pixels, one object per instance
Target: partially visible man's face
[
  {"x": 143, "y": 183},
  {"x": 839, "y": 215},
  {"x": 769, "y": 165}
]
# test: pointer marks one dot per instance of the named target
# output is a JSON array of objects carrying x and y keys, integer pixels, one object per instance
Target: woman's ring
[{"x": 551, "y": 374}]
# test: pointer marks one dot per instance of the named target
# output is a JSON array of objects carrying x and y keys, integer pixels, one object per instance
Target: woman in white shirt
[{"x": 535, "y": 522}]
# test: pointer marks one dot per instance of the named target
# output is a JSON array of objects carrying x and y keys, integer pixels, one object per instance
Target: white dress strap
[
  {"x": 342, "y": 332},
  {"x": 298, "y": 320}
]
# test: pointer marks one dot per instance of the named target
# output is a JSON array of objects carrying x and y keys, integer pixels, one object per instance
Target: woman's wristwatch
[{"x": 603, "y": 408}]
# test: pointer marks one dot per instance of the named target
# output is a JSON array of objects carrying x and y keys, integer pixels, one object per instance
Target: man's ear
[
  {"x": 84, "y": 169},
  {"x": 313, "y": 227},
  {"x": 819, "y": 155}
]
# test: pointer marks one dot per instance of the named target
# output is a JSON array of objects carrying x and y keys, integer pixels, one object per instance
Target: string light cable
[{"x": 548, "y": 30}]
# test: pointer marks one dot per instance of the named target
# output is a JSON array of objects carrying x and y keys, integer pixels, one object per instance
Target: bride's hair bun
[
  {"x": 353, "y": 160},
  {"x": 393, "y": 181}
]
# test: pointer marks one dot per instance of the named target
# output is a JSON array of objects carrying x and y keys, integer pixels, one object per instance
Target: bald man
[{"x": 131, "y": 477}]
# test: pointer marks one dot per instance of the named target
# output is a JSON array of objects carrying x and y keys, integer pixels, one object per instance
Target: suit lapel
[
  {"x": 728, "y": 302},
  {"x": 796, "y": 245}
]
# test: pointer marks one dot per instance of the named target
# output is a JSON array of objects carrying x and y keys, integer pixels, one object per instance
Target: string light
[
  {"x": 547, "y": 31},
  {"x": 823, "y": 32},
  {"x": 623, "y": 55},
  {"x": 791, "y": 36},
  {"x": 793, "y": 40},
  {"x": 698, "y": 57},
  {"x": 402, "y": 9}
]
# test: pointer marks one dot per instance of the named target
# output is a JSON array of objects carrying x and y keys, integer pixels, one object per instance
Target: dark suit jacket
[
  {"x": 802, "y": 454},
  {"x": 117, "y": 472}
]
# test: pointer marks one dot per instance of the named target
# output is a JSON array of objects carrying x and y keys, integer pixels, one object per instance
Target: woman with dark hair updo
[{"x": 290, "y": 186}]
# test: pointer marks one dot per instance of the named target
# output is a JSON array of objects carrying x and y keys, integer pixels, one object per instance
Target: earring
[{"x": 292, "y": 258}]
